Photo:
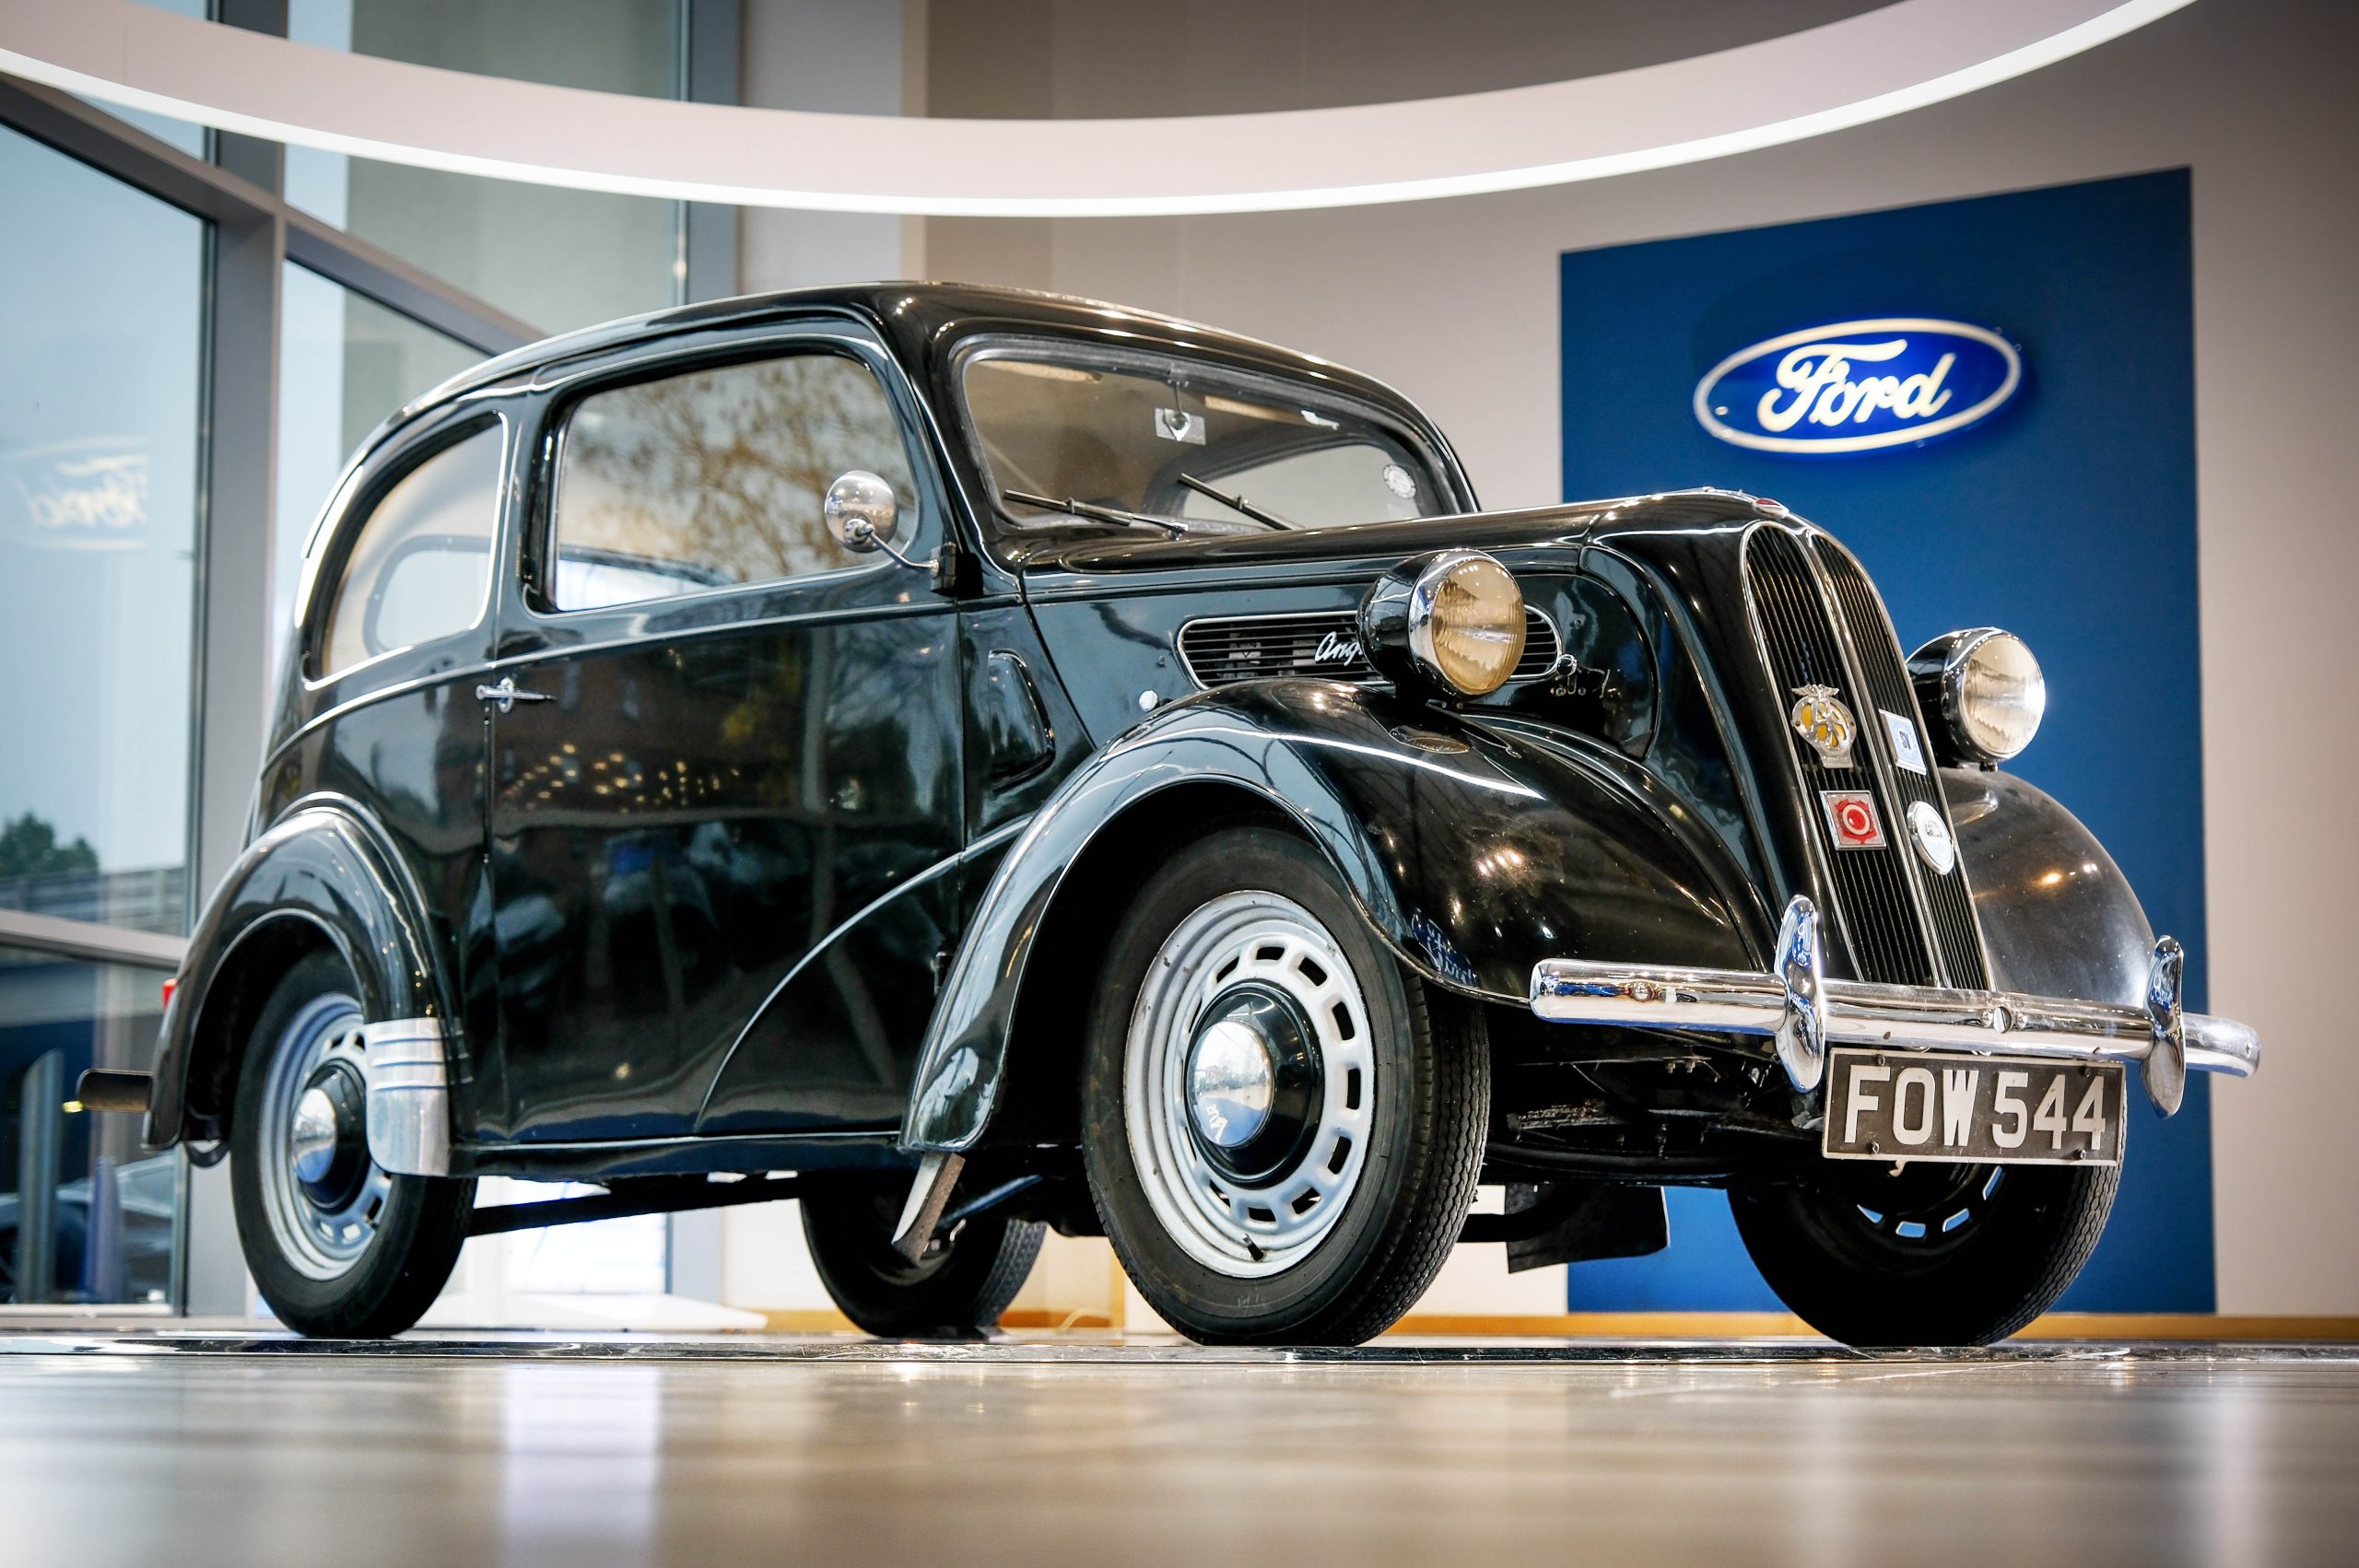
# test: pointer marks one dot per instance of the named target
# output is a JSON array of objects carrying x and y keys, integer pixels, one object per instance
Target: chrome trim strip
[
  {"x": 1758, "y": 1007},
  {"x": 409, "y": 1095}
]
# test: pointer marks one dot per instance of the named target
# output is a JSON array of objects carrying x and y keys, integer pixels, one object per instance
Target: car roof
[{"x": 916, "y": 318}]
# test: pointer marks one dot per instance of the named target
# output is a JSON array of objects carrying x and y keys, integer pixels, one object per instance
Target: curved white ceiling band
[{"x": 1849, "y": 73}]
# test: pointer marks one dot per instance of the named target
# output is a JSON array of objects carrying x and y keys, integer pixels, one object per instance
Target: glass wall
[
  {"x": 85, "y": 1215},
  {"x": 102, "y": 298},
  {"x": 120, "y": 497},
  {"x": 101, "y": 293},
  {"x": 557, "y": 259},
  {"x": 345, "y": 362}
]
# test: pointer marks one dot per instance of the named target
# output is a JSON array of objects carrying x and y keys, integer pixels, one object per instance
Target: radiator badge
[
  {"x": 1820, "y": 718},
  {"x": 1851, "y": 818},
  {"x": 1932, "y": 836}
]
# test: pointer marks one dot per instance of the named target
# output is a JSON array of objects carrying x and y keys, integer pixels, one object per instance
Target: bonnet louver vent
[{"x": 1318, "y": 642}]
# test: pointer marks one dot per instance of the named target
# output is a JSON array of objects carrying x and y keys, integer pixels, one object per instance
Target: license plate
[{"x": 1940, "y": 1105}]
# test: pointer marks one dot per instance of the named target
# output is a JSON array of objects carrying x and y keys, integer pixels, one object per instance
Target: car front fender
[
  {"x": 323, "y": 873},
  {"x": 1474, "y": 845},
  {"x": 2058, "y": 917}
]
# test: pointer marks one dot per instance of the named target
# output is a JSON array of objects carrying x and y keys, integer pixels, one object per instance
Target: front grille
[
  {"x": 1318, "y": 642},
  {"x": 1955, "y": 936},
  {"x": 1801, "y": 643}
]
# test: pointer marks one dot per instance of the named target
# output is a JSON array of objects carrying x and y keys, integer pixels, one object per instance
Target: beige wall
[{"x": 1455, "y": 302}]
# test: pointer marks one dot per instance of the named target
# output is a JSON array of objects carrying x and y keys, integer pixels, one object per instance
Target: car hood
[{"x": 1567, "y": 526}]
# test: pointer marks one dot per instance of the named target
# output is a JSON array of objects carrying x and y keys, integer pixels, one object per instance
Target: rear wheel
[
  {"x": 958, "y": 1288},
  {"x": 1932, "y": 1255},
  {"x": 1282, "y": 1123},
  {"x": 338, "y": 1247}
]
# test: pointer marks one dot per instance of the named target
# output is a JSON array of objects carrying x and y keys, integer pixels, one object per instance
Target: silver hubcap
[
  {"x": 1232, "y": 1078},
  {"x": 1249, "y": 1084},
  {"x": 322, "y": 1194}
]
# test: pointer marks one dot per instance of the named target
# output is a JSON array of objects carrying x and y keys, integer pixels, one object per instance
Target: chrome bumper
[{"x": 1801, "y": 1012}]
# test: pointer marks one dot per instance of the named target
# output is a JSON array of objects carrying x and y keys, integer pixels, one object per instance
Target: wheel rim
[
  {"x": 1926, "y": 1211},
  {"x": 322, "y": 1193},
  {"x": 1249, "y": 1084}
]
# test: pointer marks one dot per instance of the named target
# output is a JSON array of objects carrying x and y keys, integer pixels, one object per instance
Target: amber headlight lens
[
  {"x": 1987, "y": 690},
  {"x": 1451, "y": 621}
]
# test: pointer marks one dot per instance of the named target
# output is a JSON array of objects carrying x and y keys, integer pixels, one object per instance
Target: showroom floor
[{"x": 166, "y": 1448}]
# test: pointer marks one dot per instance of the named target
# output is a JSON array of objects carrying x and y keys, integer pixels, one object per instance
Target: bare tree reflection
[{"x": 724, "y": 471}]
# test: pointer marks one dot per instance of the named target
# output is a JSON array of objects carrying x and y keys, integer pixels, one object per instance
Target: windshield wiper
[
  {"x": 1235, "y": 503},
  {"x": 1093, "y": 510}
]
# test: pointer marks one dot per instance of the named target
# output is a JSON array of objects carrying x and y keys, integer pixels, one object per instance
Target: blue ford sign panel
[{"x": 1855, "y": 386}]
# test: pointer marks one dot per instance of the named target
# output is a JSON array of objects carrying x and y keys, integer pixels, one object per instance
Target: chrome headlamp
[
  {"x": 1987, "y": 689},
  {"x": 1450, "y": 622}
]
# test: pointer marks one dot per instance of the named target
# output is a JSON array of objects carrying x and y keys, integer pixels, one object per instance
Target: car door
[{"x": 729, "y": 735}]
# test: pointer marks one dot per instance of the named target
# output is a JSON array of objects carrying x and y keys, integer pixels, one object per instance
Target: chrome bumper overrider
[{"x": 1798, "y": 1008}]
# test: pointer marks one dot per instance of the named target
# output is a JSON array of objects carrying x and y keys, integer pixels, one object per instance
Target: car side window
[
  {"x": 717, "y": 477},
  {"x": 421, "y": 567}
]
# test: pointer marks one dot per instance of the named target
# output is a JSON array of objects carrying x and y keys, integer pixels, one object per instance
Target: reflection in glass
[
  {"x": 85, "y": 1214},
  {"x": 718, "y": 477},
  {"x": 421, "y": 568},
  {"x": 557, "y": 259},
  {"x": 345, "y": 362},
  {"x": 1131, "y": 435},
  {"x": 100, "y": 294}
]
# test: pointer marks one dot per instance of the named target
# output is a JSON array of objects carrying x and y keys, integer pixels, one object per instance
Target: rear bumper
[{"x": 1794, "y": 1012}]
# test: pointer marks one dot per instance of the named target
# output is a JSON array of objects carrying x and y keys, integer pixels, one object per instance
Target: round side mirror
[{"x": 861, "y": 511}]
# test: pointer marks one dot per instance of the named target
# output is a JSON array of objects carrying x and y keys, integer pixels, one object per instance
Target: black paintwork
[{"x": 763, "y": 885}]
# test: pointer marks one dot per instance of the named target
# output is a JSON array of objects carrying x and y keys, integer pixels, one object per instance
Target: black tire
[
  {"x": 1839, "y": 1253},
  {"x": 1392, "y": 1231},
  {"x": 956, "y": 1291},
  {"x": 412, "y": 1226}
]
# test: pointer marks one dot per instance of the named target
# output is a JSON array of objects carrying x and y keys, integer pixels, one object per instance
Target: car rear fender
[{"x": 321, "y": 876}]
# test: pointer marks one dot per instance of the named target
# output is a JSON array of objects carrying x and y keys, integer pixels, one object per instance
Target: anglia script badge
[{"x": 1820, "y": 718}]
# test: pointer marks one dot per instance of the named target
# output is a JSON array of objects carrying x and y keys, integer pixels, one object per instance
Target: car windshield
[{"x": 1184, "y": 447}]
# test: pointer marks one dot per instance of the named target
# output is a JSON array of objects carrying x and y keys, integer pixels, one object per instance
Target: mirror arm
[{"x": 861, "y": 535}]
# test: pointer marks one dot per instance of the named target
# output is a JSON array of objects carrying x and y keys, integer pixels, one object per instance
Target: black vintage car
[{"x": 973, "y": 761}]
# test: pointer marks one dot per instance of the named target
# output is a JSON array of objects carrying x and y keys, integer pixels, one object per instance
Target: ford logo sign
[{"x": 1855, "y": 386}]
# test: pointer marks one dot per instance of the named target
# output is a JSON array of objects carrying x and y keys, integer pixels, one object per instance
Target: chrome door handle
[{"x": 507, "y": 696}]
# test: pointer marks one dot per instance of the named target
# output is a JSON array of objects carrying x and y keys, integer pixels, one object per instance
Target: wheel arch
[
  {"x": 1471, "y": 856},
  {"x": 322, "y": 878}
]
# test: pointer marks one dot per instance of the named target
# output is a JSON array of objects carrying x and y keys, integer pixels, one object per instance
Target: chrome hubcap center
[
  {"x": 311, "y": 1143},
  {"x": 1232, "y": 1078}
]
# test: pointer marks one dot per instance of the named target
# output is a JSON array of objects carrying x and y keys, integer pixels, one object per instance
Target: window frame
[
  {"x": 839, "y": 337},
  {"x": 1003, "y": 530},
  {"x": 349, "y": 518}
]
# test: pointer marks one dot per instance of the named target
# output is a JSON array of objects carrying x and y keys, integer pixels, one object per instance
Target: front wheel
[
  {"x": 338, "y": 1247},
  {"x": 1930, "y": 1254},
  {"x": 1282, "y": 1124}
]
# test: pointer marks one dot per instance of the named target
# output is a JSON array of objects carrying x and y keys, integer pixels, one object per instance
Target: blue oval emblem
[{"x": 1855, "y": 386}]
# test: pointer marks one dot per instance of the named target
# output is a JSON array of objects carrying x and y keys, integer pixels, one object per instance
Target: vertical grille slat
[
  {"x": 1949, "y": 902},
  {"x": 1802, "y": 647}
]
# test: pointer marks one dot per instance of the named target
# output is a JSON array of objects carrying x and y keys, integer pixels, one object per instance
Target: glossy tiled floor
[{"x": 160, "y": 1449}]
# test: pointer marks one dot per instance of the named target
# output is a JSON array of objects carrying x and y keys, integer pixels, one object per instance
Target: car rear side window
[
  {"x": 717, "y": 477},
  {"x": 421, "y": 567}
]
